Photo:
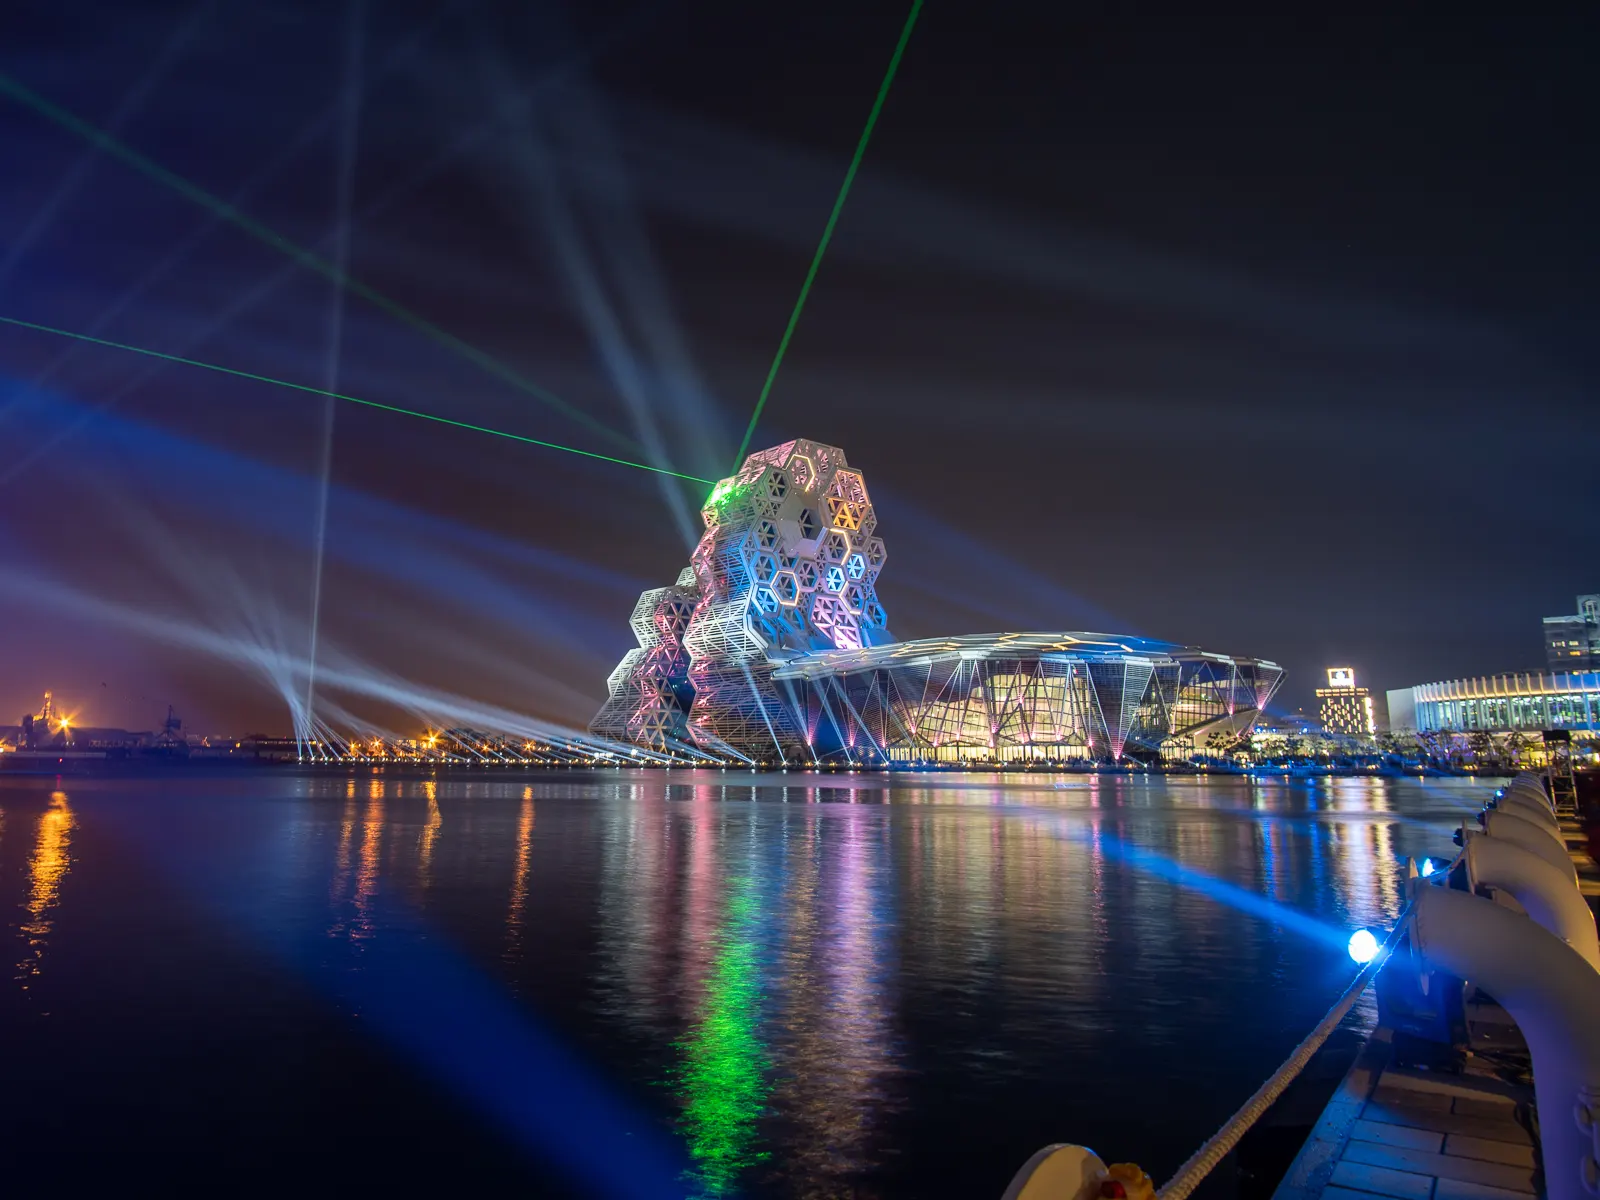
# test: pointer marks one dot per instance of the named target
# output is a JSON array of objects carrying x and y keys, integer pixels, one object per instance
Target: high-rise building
[
  {"x": 1344, "y": 707},
  {"x": 1572, "y": 642}
]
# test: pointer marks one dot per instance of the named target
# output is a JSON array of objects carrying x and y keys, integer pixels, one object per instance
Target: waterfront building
[
  {"x": 774, "y": 646},
  {"x": 1572, "y": 642},
  {"x": 1344, "y": 708},
  {"x": 1527, "y": 702}
]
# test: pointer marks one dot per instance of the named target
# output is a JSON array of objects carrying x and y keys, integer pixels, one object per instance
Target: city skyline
[{"x": 1251, "y": 345}]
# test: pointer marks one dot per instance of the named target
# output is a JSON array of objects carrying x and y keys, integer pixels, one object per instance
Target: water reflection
[
  {"x": 343, "y": 862},
  {"x": 831, "y": 1048},
  {"x": 722, "y": 1079},
  {"x": 47, "y": 867},
  {"x": 367, "y": 873},
  {"x": 519, "y": 882},
  {"x": 824, "y": 984},
  {"x": 784, "y": 922},
  {"x": 429, "y": 834},
  {"x": 357, "y": 866}
]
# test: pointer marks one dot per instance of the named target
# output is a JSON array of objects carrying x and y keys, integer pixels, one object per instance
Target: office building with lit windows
[
  {"x": 1344, "y": 708},
  {"x": 773, "y": 646},
  {"x": 1572, "y": 643}
]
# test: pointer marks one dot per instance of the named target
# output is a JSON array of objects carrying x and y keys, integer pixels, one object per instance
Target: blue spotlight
[
  {"x": 1427, "y": 867},
  {"x": 1363, "y": 946}
]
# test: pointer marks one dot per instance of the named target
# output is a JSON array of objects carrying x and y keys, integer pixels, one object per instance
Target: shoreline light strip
[
  {"x": 316, "y": 391},
  {"x": 827, "y": 232},
  {"x": 220, "y": 208}
]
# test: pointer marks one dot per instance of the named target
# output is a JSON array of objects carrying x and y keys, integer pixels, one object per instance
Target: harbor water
[{"x": 697, "y": 984}]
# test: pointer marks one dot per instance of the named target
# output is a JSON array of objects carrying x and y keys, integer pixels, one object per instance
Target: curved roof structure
[{"x": 1078, "y": 645}]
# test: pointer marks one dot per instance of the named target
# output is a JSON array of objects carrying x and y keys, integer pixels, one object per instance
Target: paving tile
[
  {"x": 1402, "y": 1098},
  {"x": 1485, "y": 1106},
  {"x": 1501, "y": 1130},
  {"x": 1472, "y": 1086},
  {"x": 1444, "y": 1166},
  {"x": 1397, "y": 1135},
  {"x": 1487, "y": 1149},
  {"x": 1364, "y": 1178},
  {"x": 1414, "y": 1134},
  {"x": 1460, "y": 1189}
]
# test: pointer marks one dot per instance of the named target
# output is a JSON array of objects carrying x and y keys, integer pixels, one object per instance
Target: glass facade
[
  {"x": 1022, "y": 696},
  {"x": 1527, "y": 702}
]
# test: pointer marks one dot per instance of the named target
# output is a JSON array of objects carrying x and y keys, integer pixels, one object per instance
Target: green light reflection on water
[{"x": 722, "y": 1079}]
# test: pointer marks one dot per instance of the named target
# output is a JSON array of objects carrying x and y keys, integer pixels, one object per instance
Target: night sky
[{"x": 1271, "y": 332}]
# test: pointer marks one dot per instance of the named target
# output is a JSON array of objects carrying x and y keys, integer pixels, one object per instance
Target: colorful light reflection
[{"x": 722, "y": 1081}]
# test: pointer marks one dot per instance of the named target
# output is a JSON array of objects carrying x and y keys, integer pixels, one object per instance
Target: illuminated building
[
  {"x": 1525, "y": 701},
  {"x": 774, "y": 646},
  {"x": 1572, "y": 643},
  {"x": 1023, "y": 696},
  {"x": 1345, "y": 708}
]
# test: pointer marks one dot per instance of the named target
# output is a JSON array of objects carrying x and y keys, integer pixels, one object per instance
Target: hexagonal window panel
[
  {"x": 809, "y": 525},
  {"x": 874, "y": 613},
  {"x": 835, "y": 579},
  {"x": 785, "y": 588},
  {"x": 846, "y": 634},
  {"x": 766, "y": 601},
  {"x": 851, "y": 486},
  {"x": 856, "y": 566},
  {"x": 836, "y": 547},
  {"x": 800, "y": 467},
  {"x": 875, "y": 553},
  {"x": 806, "y": 573},
  {"x": 777, "y": 485},
  {"x": 852, "y": 597},
  {"x": 764, "y": 568},
  {"x": 767, "y": 535}
]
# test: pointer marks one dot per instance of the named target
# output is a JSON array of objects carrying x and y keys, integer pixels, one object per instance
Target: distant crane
[{"x": 171, "y": 730}]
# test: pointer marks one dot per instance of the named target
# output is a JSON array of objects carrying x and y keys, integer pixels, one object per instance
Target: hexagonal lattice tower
[
  {"x": 649, "y": 690},
  {"x": 788, "y": 563}
]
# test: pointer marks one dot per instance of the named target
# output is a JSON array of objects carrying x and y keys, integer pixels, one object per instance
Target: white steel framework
[{"x": 773, "y": 646}]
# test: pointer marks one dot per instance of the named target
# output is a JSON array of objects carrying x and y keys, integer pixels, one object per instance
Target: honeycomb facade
[{"x": 773, "y": 645}]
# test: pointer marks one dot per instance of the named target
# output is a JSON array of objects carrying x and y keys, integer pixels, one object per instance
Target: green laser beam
[
  {"x": 219, "y": 207},
  {"x": 827, "y": 231},
  {"x": 316, "y": 391}
]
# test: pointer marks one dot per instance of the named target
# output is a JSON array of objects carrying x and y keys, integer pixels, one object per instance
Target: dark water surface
[{"x": 690, "y": 984}]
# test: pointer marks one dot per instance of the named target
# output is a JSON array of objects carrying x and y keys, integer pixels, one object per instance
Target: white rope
[{"x": 1225, "y": 1139}]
